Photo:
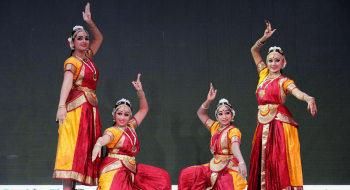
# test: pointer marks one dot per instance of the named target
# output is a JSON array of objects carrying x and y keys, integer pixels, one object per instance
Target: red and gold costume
[
  {"x": 119, "y": 169},
  {"x": 82, "y": 127},
  {"x": 275, "y": 162},
  {"x": 222, "y": 170}
]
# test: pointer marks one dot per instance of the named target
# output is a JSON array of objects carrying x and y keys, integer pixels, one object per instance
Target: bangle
[
  {"x": 141, "y": 96},
  {"x": 98, "y": 144},
  {"x": 204, "y": 107},
  {"x": 240, "y": 163},
  {"x": 91, "y": 26},
  {"x": 259, "y": 44},
  {"x": 62, "y": 106},
  {"x": 307, "y": 100}
]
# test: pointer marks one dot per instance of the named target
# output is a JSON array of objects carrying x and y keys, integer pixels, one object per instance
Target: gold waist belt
[
  {"x": 122, "y": 157},
  {"x": 85, "y": 89},
  {"x": 223, "y": 157},
  {"x": 267, "y": 107}
]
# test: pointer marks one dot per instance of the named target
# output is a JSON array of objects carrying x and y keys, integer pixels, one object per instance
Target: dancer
[
  {"x": 275, "y": 158},
  {"x": 227, "y": 169},
  {"x": 78, "y": 116},
  {"x": 119, "y": 169}
]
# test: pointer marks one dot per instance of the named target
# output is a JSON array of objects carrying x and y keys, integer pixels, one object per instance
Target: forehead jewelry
[{"x": 94, "y": 70}]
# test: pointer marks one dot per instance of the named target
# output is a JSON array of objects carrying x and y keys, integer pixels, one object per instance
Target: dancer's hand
[
  {"x": 87, "y": 13},
  {"x": 137, "y": 84},
  {"x": 61, "y": 115},
  {"x": 311, "y": 106},
  {"x": 268, "y": 32},
  {"x": 96, "y": 152},
  {"x": 212, "y": 93},
  {"x": 242, "y": 170}
]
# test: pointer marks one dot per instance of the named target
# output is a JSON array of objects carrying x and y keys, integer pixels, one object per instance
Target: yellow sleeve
[
  {"x": 263, "y": 74},
  {"x": 116, "y": 136},
  {"x": 288, "y": 86},
  {"x": 212, "y": 125},
  {"x": 234, "y": 135},
  {"x": 73, "y": 65}
]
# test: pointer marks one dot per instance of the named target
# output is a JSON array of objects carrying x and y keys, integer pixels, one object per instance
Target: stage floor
[{"x": 174, "y": 187}]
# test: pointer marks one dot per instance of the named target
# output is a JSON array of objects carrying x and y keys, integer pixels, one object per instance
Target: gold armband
[{"x": 204, "y": 107}]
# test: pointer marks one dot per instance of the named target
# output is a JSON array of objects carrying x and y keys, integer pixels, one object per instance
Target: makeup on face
[
  {"x": 224, "y": 116},
  {"x": 81, "y": 41},
  {"x": 122, "y": 116},
  {"x": 275, "y": 62}
]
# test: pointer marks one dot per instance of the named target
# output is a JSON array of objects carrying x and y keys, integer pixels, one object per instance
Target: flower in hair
[
  {"x": 274, "y": 47},
  {"x": 121, "y": 101},
  {"x": 223, "y": 100},
  {"x": 77, "y": 27},
  {"x": 70, "y": 44}
]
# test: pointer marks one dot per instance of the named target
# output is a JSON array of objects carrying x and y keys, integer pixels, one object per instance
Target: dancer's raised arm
[
  {"x": 257, "y": 46},
  {"x": 96, "y": 34},
  {"x": 202, "y": 111},
  {"x": 141, "y": 114}
]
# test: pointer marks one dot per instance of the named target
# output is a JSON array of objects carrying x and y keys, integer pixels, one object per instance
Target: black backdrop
[{"x": 179, "y": 47}]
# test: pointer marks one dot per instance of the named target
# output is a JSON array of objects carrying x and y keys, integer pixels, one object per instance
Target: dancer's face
[
  {"x": 275, "y": 62},
  {"x": 81, "y": 41},
  {"x": 122, "y": 116},
  {"x": 224, "y": 115}
]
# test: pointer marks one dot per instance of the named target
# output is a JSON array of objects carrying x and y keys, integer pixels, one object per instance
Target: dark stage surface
[{"x": 179, "y": 47}]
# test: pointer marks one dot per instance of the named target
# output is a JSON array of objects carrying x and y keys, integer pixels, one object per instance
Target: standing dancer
[
  {"x": 77, "y": 113},
  {"x": 119, "y": 169},
  {"x": 227, "y": 169},
  {"x": 275, "y": 158}
]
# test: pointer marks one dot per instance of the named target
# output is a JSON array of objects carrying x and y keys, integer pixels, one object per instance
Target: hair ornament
[
  {"x": 224, "y": 102},
  {"x": 70, "y": 44},
  {"x": 278, "y": 50},
  {"x": 77, "y": 27},
  {"x": 122, "y": 102}
]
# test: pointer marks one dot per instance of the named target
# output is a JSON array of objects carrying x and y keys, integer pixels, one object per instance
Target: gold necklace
[
  {"x": 94, "y": 70},
  {"x": 262, "y": 91},
  {"x": 132, "y": 143}
]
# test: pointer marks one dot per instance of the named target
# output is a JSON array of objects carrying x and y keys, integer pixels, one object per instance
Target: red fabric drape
[{"x": 276, "y": 168}]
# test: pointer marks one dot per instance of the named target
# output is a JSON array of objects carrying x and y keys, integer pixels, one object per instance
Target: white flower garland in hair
[
  {"x": 77, "y": 27},
  {"x": 121, "y": 100},
  {"x": 274, "y": 47},
  {"x": 223, "y": 100},
  {"x": 70, "y": 43}
]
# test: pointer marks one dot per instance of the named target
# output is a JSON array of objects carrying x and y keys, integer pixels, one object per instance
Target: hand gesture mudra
[
  {"x": 96, "y": 152},
  {"x": 268, "y": 32},
  {"x": 212, "y": 93},
  {"x": 137, "y": 84},
  {"x": 242, "y": 170},
  {"x": 87, "y": 13},
  {"x": 311, "y": 106},
  {"x": 61, "y": 115}
]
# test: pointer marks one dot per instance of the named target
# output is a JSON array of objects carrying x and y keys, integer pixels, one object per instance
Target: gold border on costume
[{"x": 74, "y": 175}]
